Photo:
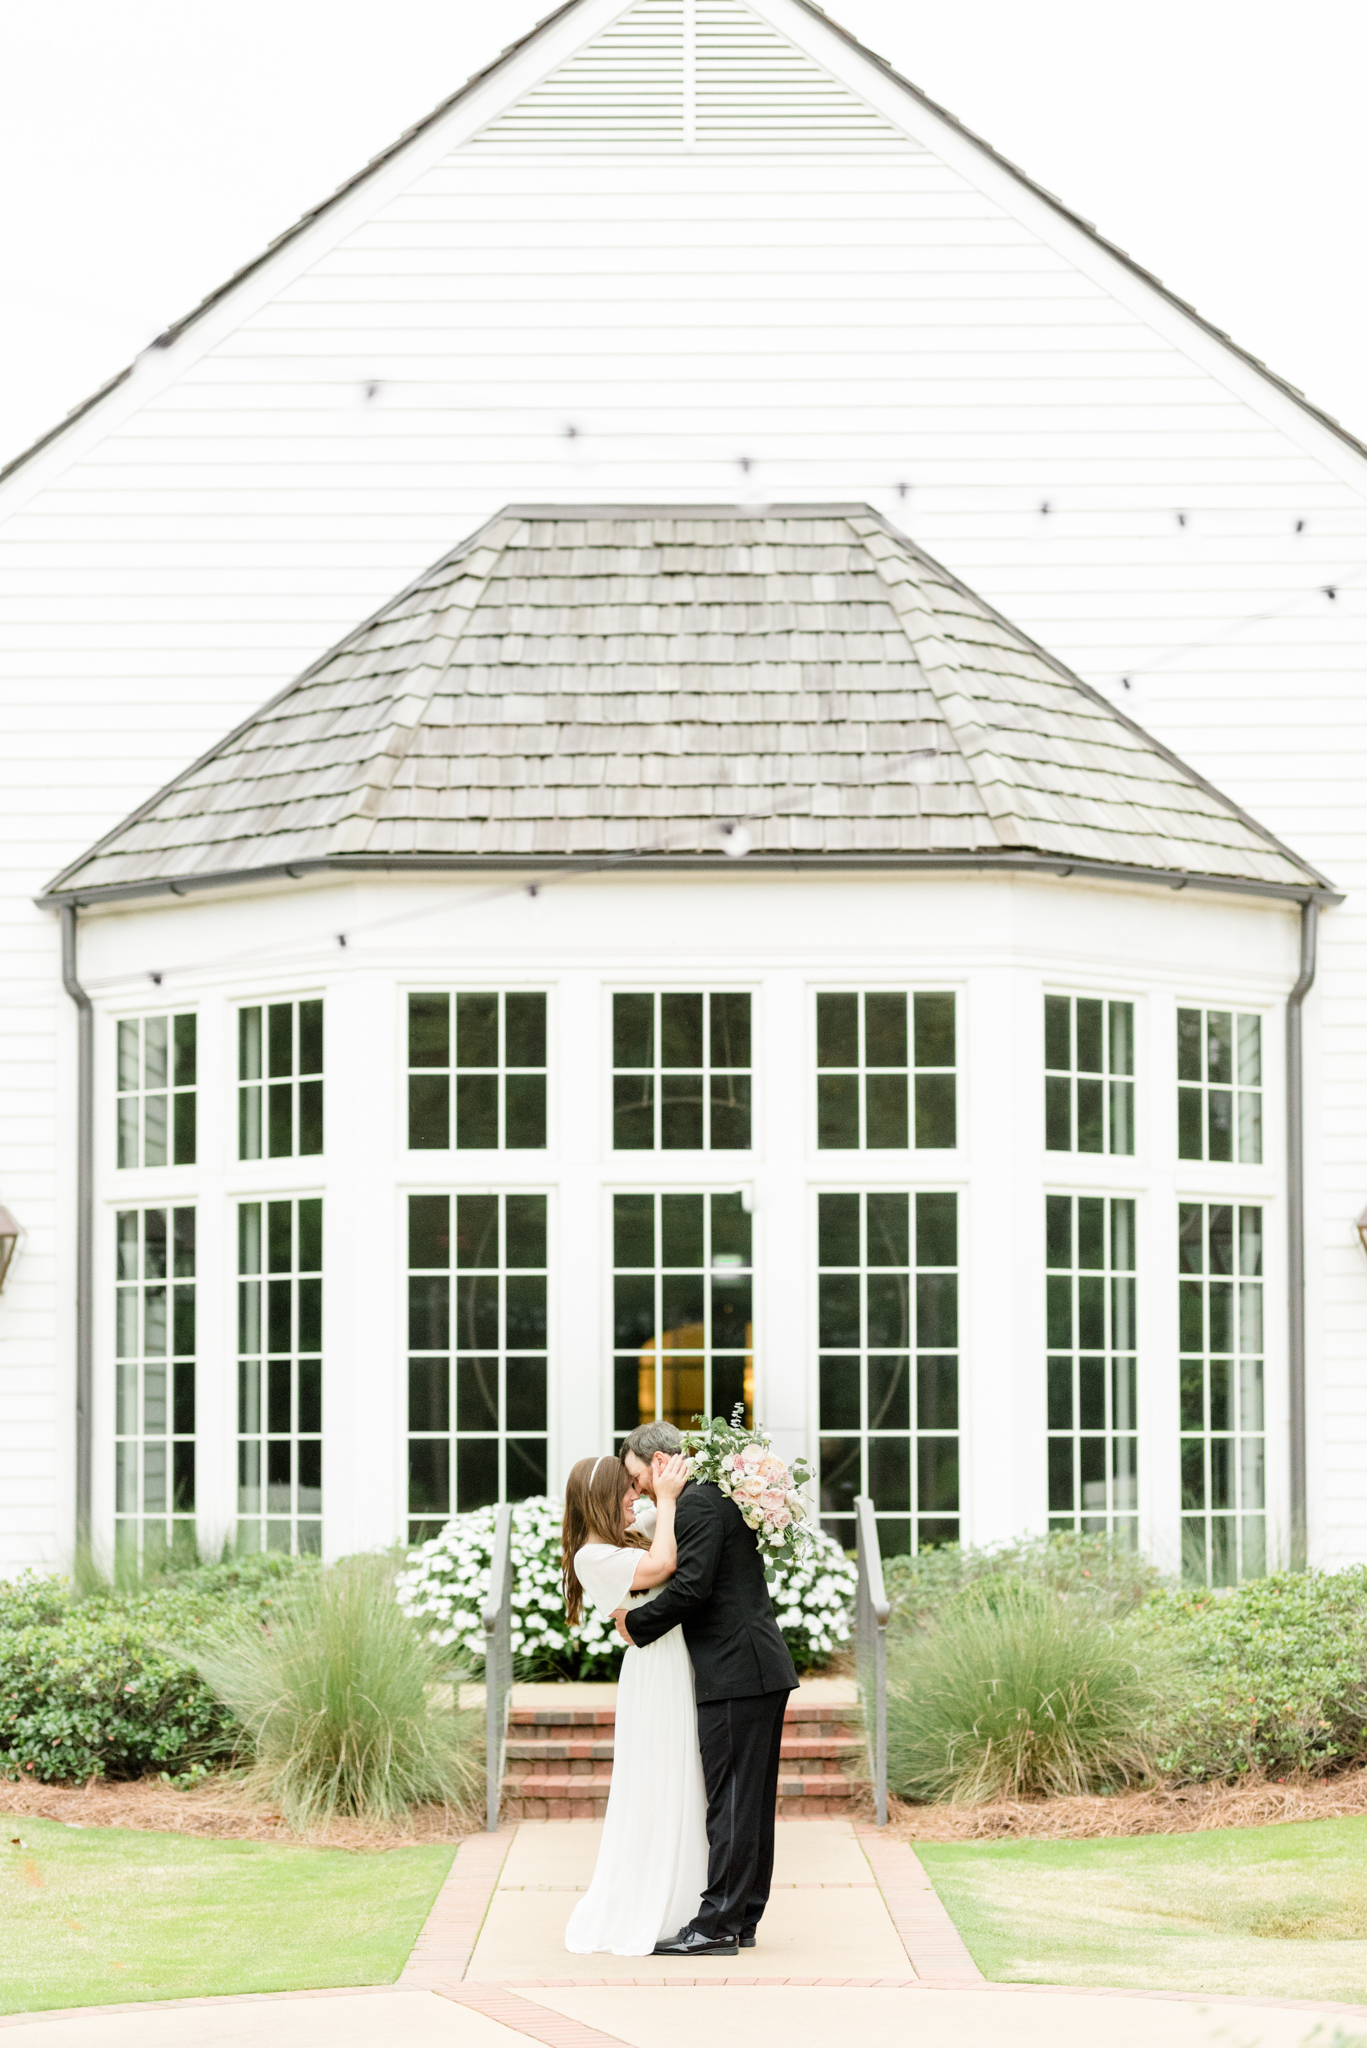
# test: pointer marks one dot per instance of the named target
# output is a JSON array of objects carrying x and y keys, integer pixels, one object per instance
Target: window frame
[
  {"x": 657, "y": 1187},
  {"x": 863, "y": 1187},
  {"x": 296, "y": 1517},
  {"x": 262, "y": 1083},
  {"x": 174, "y": 1091},
  {"x": 1237, "y": 1514},
  {"x": 861, "y": 987},
  {"x": 1236, "y": 1010},
  {"x": 450, "y": 1189},
  {"x": 1107, "y": 1077},
  {"x": 707, "y": 987},
  {"x": 417, "y": 1157},
  {"x": 180, "y": 1525},
  {"x": 1115, "y": 1520}
]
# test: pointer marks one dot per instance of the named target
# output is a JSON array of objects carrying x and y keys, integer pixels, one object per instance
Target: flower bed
[{"x": 447, "y": 1581}]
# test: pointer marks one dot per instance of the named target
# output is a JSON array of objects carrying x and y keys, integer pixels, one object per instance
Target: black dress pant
[{"x": 740, "y": 1741}]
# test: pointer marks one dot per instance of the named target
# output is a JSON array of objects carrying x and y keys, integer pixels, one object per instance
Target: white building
[{"x": 977, "y": 1072}]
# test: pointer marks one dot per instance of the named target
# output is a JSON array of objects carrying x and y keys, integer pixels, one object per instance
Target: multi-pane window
[
  {"x": 1220, "y": 1085},
  {"x": 681, "y": 1072},
  {"x": 155, "y": 1086},
  {"x": 154, "y": 1391},
  {"x": 888, "y": 1326},
  {"x": 477, "y": 1072},
  {"x": 280, "y": 1375},
  {"x": 280, "y": 1080},
  {"x": 1089, "y": 1074},
  {"x": 1220, "y": 1306},
  {"x": 885, "y": 1071},
  {"x": 1093, "y": 1421},
  {"x": 682, "y": 1314},
  {"x": 476, "y": 1354}
]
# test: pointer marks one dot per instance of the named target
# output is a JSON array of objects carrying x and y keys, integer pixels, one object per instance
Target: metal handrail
[
  {"x": 871, "y": 1611},
  {"x": 498, "y": 1663}
]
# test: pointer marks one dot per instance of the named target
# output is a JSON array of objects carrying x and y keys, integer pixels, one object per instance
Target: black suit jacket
[{"x": 719, "y": 1596}]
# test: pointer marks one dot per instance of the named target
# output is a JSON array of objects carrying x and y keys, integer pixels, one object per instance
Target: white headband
[{"x": 594, "y": 1474}]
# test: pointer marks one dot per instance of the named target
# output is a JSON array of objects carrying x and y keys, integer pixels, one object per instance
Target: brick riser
[{"x": 559, "y": 1762}]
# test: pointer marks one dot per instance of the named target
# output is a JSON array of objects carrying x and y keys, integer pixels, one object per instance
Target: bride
[{"x": 652, "y": 1861}]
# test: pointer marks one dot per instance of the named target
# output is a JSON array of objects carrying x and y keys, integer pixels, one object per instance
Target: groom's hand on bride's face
[{"x": 620, "y": 1618}]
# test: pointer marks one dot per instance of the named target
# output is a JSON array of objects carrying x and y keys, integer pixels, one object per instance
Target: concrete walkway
[{"x": 855, "y": 1942}]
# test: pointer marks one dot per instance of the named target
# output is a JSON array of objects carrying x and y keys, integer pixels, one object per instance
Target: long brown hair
[{"x": 594, "y": 1493}]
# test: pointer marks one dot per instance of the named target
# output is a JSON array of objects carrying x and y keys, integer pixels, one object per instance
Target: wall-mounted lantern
[
  {"x": 10, "y": 1233},
  {"x": 1362, "y": 1230}
]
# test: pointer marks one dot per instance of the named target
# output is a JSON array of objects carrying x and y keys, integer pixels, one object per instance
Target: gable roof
[
  {"x": 578, "y": 683},
  {"x": 514, "y": 49}
]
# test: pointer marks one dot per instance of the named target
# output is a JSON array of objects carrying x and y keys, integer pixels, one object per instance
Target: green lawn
[
  {"x": 98, "y": 1916},
  {"x": 1279, "y": 1912}
]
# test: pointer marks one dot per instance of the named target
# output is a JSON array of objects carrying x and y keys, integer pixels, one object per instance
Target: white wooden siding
[{"x": 855, "y": 324}]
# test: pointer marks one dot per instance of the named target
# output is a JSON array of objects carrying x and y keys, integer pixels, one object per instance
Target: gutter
[
  {"x": 85, "y": 1193},
  {"x": 1295, "y": 1225}
]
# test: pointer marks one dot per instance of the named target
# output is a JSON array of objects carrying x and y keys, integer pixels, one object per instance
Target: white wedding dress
[{"x": 652, "y": 1862}]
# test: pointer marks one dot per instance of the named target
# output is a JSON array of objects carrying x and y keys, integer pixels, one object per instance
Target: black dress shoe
[
  {"x": 747, "y": 1941},
  {"x": 688, "y": 1942}
]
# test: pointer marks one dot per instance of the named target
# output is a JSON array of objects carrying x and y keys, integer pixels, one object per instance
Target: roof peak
[{"x": 583, "y": 681}]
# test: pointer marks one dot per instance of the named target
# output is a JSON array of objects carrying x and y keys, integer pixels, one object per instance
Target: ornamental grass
[
  {"x": 345, "y": 1708},
  {"x": 1017, "y": 1692}
]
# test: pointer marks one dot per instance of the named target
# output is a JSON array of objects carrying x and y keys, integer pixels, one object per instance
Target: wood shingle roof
[{"x": 580, "y": 682}]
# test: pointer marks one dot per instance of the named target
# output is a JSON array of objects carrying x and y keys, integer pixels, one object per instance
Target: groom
[{"x": 742, "y": 1676}]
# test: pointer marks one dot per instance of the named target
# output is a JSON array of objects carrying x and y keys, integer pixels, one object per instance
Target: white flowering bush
[{"x": 447, "y": 1580}]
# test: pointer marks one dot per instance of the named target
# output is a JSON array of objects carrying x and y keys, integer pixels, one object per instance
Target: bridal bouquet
[{"x": 744, "y": 1465}]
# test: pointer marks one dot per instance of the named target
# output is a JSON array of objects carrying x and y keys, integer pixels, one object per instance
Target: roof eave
[{"x": 1314, "y": 890}]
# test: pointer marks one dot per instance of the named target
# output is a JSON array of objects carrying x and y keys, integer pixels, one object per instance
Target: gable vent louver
[{"x": 692, "y": 74}]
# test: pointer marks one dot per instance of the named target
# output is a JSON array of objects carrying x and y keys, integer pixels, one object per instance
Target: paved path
[{"x": 855, "y": 1943}]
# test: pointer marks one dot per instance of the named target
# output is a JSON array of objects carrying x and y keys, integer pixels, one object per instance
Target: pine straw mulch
[
  {"x": 1160, "y": 1810},
  {"x": 217, "y": 1808}
]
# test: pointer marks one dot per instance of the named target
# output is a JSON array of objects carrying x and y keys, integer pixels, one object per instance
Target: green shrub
[
  {"x": 1015, "y": 1691},
  {"x": 1099, "y": 1570},
  {"x": 1277, "y": 1675},
  {"x": 89, "y": 1688},
  {"x": 339, "y": 1701}
]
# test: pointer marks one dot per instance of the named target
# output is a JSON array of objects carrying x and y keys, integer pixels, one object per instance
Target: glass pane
[
  {"x": 633, "y": 1031},
  {"x": 1190, "y": 1238},
  {"x": 1122, "y": 1236},
  {"x": 526, "y": 1393},
  {"x": 633, "y": 1314},
  {"x": 525, "y": 1112},
  {"x": 429, "y": 1478},
  {"x": 525, "y": 1312},
  {"x": 1090, "y": 1013},
  {"x": 311, "y": 1234},
  {"x": 839, "y": 1393},
  {"x": 1058, "y": 1052},
  {"x": 730, "y": 1130},
  {"x": 130, "y": 1125},
  {"x": 429, "y": 1112},
  {"x": 1250, "y": 1242},
  {"x": 840, "y": 1474},
  {"x": 937, "y": 1230},
  {"x": 633, "y": 1224},
  {"x": 1250, "y": 1127},
  {"x": 889, "y": 1312},
  {"x": 1122, "y": 1038},
  {"x": 1058, "y": 1230},
  {"x": 937, "y": 1311},
  {"x": 1060, "y": 1393},
  {"x": 838, "y": 1310},
  {"x": 280, "y": 1039},
  {"x": 476, "y": 1472},
  {"x": 1221, "y": 1412},
  {"x": 429, "y": 1312},
  {"x": 837, "y": 1112},
  {"x": 526, "y": 1467},
  {"x": 1254, "y": 1534},
  {"x": 1219, "y": 1046},
  {"x": 309, "y": 1385},
  {"x": 885, "y": 1031},
  {"x": 1191, "y": 1315},
  {"x": 477, "y": 1393},
  {"x": 477, "y": 1031},
  {"x": 1059, "y": 1312},
  {"x": 525, "y": 1223},
  {"x": 1220, "y": 1123},
  {"x": 1251, "y": 1472},
  {"x": 1058, "y": 1114},
  {"x": 1061, "y": 1487},
  {"x": 1124, "y": 1336},
  {"x": 524, "y": 1027},
  {"x": 1190, "y": 1131},
  {"x": 128, "y": 1054},
  {"x": 1189, "y": 1048},
  {"x": 682, "y": 1297},
  {"x": 154, "y": 1244},
  {"x": 890, "y": 1391},
  {"x": 311, "y": 1036},
  {"x": 890, "y": 1473},
  {"x": 154, "y": 1130},
  {"x": 681, "y": 1230},
  {"x": 1091, "y": 1393},
  {"x": 429, "y": 1393},
  {"x": 1191, "y": 1386},
  {"x": 476, "y": 1112},
  {"x": 935, "y": 1112},
  {"x": 681, "y": 1111},
  {"x": 1122, "y": 1117},
  {"x": 837, "y": 1031},
  {"x": 429, "y": 1031},
  {"x": 1250, "y": 1393},
  {"x": 1250, "y": 1316},
  {"x": 730, "y": 1031},
  {"x": 838, "y": 1230},
  {"x": 889, "y": 1233},
  {"x": 681, "y": 1031},
  {"x": 937, "y": 1392},
  {"x": 310, "y": 1119},
  {"x": 1221, "y": 1313},
  {"x": 1091, "y": 1232},
  {"x": 934, "y": 1030},
  {"x": 886, "y": 1111},
  {"x": 937, "y": 1474},
  {"x": 476, "y": 1322},
  {"x": 1250, "y": 1052},
  {"x": 477, "y": 1231},
  {"x": 185, "y": 1128},
  {"x": 1221, "y": 1236},
  {"x": 280, "y": 1119},
  {"x": 1090, "y": 1113},
  {"x": 633, "y": 1113}
]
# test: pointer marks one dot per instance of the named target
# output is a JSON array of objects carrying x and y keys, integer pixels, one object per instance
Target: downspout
[
  {"x": 85, "y": 1196},
  {"x": 1295, "y": 1223}
]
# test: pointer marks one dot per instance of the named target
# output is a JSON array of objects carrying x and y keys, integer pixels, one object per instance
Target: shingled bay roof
[{"x": 585, "y": 682}]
